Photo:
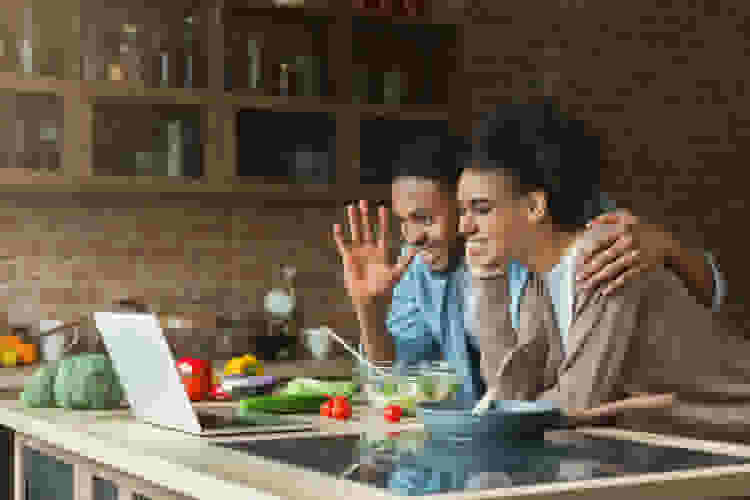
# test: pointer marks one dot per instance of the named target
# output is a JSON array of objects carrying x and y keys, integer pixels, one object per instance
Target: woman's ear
[{"x": 537, "y": 206}]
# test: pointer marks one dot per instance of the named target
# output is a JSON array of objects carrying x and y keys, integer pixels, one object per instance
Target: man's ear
[{"x": 537, "y": 208}]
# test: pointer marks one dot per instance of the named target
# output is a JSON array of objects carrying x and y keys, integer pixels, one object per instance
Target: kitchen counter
[
  {"x": 193, "y": 468},
  {"x": 180, "y": 462},
  {"x": 13, "y": 379}
]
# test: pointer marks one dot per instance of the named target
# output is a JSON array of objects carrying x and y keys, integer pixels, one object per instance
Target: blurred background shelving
[{"x": 193, "y": 97}]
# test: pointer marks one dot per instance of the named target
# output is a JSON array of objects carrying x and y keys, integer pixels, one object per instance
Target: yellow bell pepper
[
  {"x": 9, "y": 358},
  {"x": 245, "y": 365}
]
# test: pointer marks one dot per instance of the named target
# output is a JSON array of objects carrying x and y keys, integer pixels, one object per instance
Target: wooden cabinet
[
  {"x": 6, "y": 462},
  {"x": 117, "y": 115},
  {"x": 46, "y": 477},
  {"x": 44, "y": 472}
]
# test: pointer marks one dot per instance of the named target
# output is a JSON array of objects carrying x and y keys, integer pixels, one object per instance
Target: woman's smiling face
[{"x": 492, "y": 217}]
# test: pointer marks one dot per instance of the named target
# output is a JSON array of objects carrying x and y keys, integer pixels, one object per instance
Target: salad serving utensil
[{"x": 352, "y": 351}]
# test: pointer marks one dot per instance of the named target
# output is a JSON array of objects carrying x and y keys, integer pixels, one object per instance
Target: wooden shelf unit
[{"x": 218, "y": 109}]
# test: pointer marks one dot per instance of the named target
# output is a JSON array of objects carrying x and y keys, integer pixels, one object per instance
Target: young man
[
  {"x": 523, "y": 197},
  {"x": 413, "y": 310}
]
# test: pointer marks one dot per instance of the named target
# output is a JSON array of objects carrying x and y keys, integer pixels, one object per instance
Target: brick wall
[
  {"x": 664, "y": 82},
  {"x": 73, "y": 259}
]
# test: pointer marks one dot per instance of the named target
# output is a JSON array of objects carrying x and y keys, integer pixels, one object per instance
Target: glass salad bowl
[{"x": 405, "y": 385}]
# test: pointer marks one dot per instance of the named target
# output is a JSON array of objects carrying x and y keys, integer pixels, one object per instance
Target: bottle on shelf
[
  {"x": 130, "y": 53},
  {"x": 164, "y": 69},
  {"x": 175, "y": 148},
  {"x": 254, "y": 64},
  {"x": 188, "y": 36},
  {"x": 392, "y": 87},
  {"x": 90, "y": 59},
  {"x": 360, "y": 84},
  {"x": 25, "y": 47},
  {"x": 160, "y": 60},
  {"x": 307, "y": 69},
  {"x": 287, "y": 79}
]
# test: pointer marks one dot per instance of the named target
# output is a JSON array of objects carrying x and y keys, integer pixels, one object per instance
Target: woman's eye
[{"x": 483, "y": 210}]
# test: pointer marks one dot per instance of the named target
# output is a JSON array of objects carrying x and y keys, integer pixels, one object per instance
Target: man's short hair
[
  {"x": 435, "y": 157},
  {"x": 543, "y": 150}
]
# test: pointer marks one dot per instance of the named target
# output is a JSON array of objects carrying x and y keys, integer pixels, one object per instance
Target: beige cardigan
[{"x": 651, "y": 336}]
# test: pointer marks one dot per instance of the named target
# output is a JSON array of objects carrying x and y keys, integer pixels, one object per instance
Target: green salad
[{"x": 406, "y": 392}]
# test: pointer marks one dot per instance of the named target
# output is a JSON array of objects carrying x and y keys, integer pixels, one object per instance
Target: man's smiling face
[{"x": 429, "y": 220}]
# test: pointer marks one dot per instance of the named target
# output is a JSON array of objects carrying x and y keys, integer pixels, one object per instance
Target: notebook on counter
[{"x": 153, "y": 387}]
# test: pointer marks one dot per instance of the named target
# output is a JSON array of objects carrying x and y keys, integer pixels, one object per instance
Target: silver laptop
[{"x": 148, "y": 374}]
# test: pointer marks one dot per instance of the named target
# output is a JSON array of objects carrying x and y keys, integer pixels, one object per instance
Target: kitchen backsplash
[{"x": 77, "y": 259}]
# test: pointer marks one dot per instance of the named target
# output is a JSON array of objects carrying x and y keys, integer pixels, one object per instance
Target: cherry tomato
[
  {"x": 325, "y": 409},
  {"x": 393, "y": 413},
  {"x": 341, "y": 412},
  {"x": 341, "y": 408}
]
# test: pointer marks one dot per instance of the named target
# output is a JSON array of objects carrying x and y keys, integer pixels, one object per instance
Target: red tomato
[
  {"x": 325, "y": 409},
  {"x": 341, "y": 412},
  {"x": 393, "y": 413},
  {"x": 341, "y": 401}
]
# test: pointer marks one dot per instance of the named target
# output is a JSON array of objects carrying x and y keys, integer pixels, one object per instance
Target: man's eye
[{"x": 483, "y": 210}]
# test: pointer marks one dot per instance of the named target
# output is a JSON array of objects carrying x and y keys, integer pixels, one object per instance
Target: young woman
[{"x": 525, "y": 195}]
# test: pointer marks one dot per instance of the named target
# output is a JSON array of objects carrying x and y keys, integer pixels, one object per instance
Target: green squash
[
  {"x": 87, "y": 382},
  {"x": 38, "y": 391}
]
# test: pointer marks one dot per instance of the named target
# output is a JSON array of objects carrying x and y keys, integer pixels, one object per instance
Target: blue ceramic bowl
[{"x": 506, "y": 420}]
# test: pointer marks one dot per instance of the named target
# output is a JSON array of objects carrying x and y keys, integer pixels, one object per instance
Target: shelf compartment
[
  {"x": 147, "y": 140},
  {"x": 278, "y": 52},
  {"x": 291, "y": 146},
  {"x": 401, "y": 63},
  {"x": 31, "y": 133}
]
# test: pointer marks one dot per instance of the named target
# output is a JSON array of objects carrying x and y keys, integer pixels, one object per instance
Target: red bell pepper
[{"x": 196, "y": 376}]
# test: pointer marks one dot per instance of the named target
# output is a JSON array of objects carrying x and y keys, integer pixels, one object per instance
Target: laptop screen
[{"x": 147, "y": 370}]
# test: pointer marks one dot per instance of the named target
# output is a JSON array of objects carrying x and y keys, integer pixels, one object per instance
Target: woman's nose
[{"x": 466, "y": 225}]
